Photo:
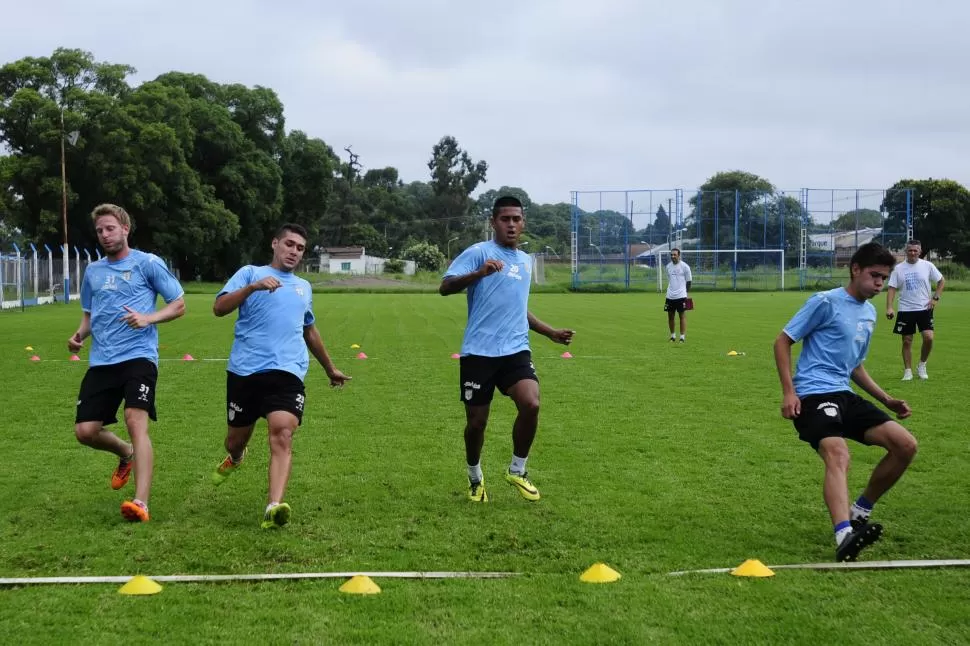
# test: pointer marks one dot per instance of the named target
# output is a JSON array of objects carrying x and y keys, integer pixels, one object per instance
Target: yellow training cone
[
  {"x": 140, "y": 585},
  {"x": 29, "y": 348},
  {"x": 360, "y": 584},
  {"x": 732, "y": 353},
  {"x": 752, "y": 567},
  {"x": 354, "y": 346},
  {"x": 599, "y": 573}
]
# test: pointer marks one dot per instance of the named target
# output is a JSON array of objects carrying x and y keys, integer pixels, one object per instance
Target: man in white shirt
[
  {"x": 912, "y": 279},
  {"x": 678, "y": 287}
]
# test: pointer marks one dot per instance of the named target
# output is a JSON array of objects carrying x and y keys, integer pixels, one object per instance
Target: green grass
[{"x": 651, "y": 457}]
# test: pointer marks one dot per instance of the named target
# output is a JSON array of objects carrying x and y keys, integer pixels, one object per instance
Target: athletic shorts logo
[
  {"x": 233, "y": 409},
  {"x": 143, "y": 391},
  {"x": 830, "y": 409},
  {"x": 470, "y": 388},
  {"x": 299, "y": 402}
]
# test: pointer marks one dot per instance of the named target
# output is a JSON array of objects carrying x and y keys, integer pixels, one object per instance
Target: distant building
[{"x": 355, "y": 261}]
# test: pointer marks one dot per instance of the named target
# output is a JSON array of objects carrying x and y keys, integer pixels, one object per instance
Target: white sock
[
  {"x": 859, "y": 513},
  {"x": 475, "y": 472},
  {"x": 518, "y": 465},
  {"x": 271, "y": 505},
  {"x": 139, "y": 502},
  {"x": 683, "y": 336},
  {"x": 673, "y": 336},
  {"x": 922, "y": 365},
  {"x": 842, "y": 534}
]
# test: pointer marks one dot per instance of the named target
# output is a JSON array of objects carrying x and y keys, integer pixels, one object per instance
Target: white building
[{"x": 355, "y": 261}]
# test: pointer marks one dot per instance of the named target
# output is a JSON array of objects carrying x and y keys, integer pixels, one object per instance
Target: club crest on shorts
[{"x": 830, "y": 409}]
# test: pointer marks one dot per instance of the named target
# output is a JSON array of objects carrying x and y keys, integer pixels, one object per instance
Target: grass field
[{"x": 651, "y": 457}]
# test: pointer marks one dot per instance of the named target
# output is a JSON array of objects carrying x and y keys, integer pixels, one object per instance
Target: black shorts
[
  {"x": 842, "y": 414},
  {"x": 257, "y": 395},
  {"x": 675, "y": 304},
  {"x": 907, "y": 322},
  {"x": 481, "y": 375},
  {"x": 103, "y": 388}
]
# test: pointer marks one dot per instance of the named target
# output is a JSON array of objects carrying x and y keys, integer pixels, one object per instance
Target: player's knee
[
  {"x": 86, "y": 433},
  {"x": 136, "y": 420},
  {"x": 907, "y": 341},
  {"x": 905, "y": 447},
  {"x": 528, "y": 405},
  {"x": 836, "y": 456},
  {"x": 281, "y": 434}
]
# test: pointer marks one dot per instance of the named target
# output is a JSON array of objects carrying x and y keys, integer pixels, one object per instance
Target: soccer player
[
  {"x": 912, "y": 280},
  {"x": 678, "y": 289},
  {"x": 495, "y": 349},
  {"x": 269, "y": 361},
  {"x": 836, "y": 328},
  {"x": 118, "y": 294}
]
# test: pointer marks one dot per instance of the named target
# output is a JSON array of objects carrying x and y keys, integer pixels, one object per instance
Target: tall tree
[
  {"x": 454, "y": 177},
  {"x": 941, "y": 216},
  {"x": 724, "y": 198}
]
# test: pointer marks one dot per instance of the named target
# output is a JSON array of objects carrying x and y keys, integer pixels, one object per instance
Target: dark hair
[
  {"x": 677, "y": 249},
  {"x": 872, "y": 254},
  {"x": 505, "y": 201},
  {"x": 293, "y": 228},
  {"x": 914, "y": 243}
]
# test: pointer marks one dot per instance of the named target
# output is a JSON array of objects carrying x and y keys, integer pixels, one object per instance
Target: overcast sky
[{"x": 563, "y": 95}]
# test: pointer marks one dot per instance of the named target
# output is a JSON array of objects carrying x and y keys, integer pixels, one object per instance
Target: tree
[
  {"x": 858, "y": 219},
  {"x": 941, "y": 216},
  {"x": 454, "y": 176},
  {"x": 427, "y": 256},
  {"x": 724, "y": 198}
]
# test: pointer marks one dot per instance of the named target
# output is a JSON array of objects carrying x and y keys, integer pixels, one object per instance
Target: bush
[
  {"x": 426, "y": 255},
  {"x": 394, "y": 266}
]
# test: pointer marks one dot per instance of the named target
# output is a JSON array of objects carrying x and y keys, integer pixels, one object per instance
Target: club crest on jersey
[{"x": 299, "y": 291}]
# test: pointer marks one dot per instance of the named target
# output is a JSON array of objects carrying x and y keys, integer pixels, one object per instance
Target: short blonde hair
[{"x": 113, "y": 210}]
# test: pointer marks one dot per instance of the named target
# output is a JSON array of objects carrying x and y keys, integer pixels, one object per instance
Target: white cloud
[{"x": 572, "y": 94}]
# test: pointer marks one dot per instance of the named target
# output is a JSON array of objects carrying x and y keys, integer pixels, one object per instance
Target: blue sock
[
  {"x": 842, "y": 530},
  {"x": 861, "y": 509}
]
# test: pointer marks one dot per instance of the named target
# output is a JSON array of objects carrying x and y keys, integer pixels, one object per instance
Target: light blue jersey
[
  {"x": 836, "y": 330},
  {"x": 136, "y": 281},
  {"x": 498, "y": 305},
  {"x": 269, "y": 329}
]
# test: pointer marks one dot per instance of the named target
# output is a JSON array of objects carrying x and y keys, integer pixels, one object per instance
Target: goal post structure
[{"x": 727, "y": 269}]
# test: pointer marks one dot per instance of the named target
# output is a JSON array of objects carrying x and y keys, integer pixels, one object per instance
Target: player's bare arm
[
  {"x": 139, "y": 320},
  {"x": 868, "y": 384},
  {"x": 455, "y": 284},
  {"x": 227, "y": 303},
  {"x": 791, "y": 405},
  {"x": 75, "y": 343},
  {"x": 311, "y": 335},
  {"x": 936, "y": 294},
  {"x": 890, "y": 303},
  {"x": 558, "y": 335}
]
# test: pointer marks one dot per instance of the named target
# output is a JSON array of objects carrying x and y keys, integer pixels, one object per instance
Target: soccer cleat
[
  {"x": 907, "y": 375},
  {"x": 921, "y": 371},
  {"x": 276, "y": 516},
  {"x": 858, "y": 523},
  {"x": 120, "y": 477},
  {"x": 683, "y": 340},
  {"x": 523, "y": 484},
  {"x": 476, "y": 491},
  {"x": 860, "y": 538},
  {"x": 226, "y": 467},
  {"x": 134, "y": 511}
]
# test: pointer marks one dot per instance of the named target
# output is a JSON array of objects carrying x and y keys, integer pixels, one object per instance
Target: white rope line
[
  {"x": 854, "y": 565},
  {"x": 207, "y": 578}
]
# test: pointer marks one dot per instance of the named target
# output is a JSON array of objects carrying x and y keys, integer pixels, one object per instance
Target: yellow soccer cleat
[
  {"x": 523, "y": 484},
  {"x": 476, "y": 491},
  {"x": 227, "y": 467},
  {"x": 276, "y": 516}
]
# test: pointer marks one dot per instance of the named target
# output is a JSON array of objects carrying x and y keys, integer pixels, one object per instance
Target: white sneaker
[
  {"x": 907, "y": 375},
  {"x": 921, "y": 371}
]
